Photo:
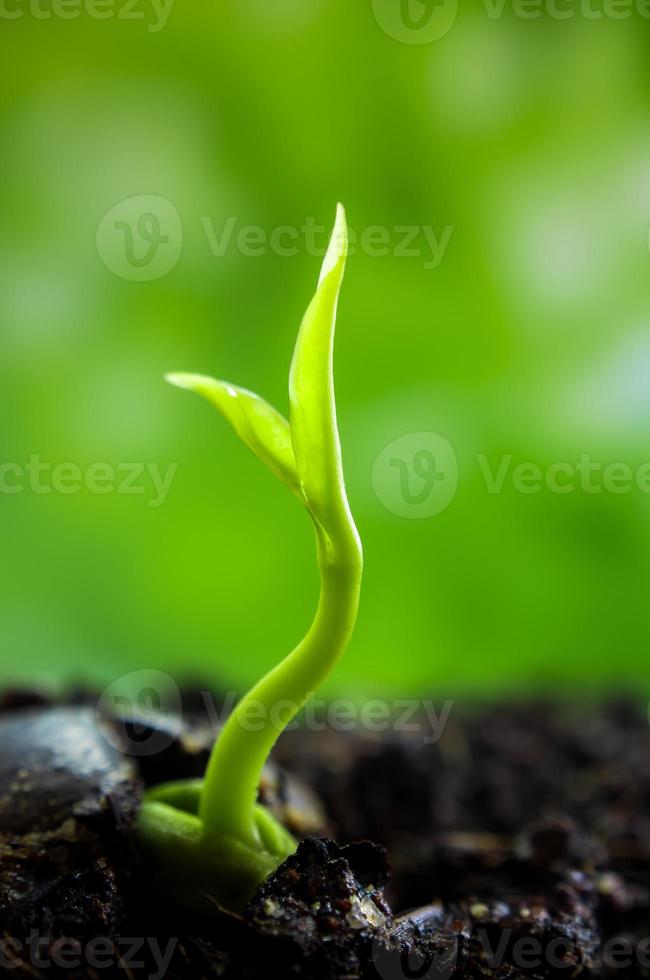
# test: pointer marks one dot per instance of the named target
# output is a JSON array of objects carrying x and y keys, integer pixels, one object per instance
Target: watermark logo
[
  {"x": 66, "y": 955},
  {"x": 589, "y": 10},
  {"x": 152, "y": 13},
  {"x": 582, "y": 475},
  {"x": 416, "y": 476},
  {"x": 425, "y": 21},
  {"x": 415, "y": 21},
  {"x": 144, "y": 707},
  {"x": 141, "y": 238},
  {"x": 147, "y": 704},
  {"x": 395, "y": 960},
  {"x": 150, "y": 481},
  {"x": 405, "y": 716},
  {"x": 424, "y": 242}
]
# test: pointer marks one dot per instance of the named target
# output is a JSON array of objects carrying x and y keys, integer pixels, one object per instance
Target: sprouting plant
[{"x": 210, "y": 837}]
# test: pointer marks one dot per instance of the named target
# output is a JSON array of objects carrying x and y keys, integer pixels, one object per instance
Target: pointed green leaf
[
  {"x": 256, "y": 422},
  {"x": 311, "y": 387}
]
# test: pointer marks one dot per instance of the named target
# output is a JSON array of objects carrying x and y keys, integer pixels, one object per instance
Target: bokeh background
[{"x": 522, "y": 142}]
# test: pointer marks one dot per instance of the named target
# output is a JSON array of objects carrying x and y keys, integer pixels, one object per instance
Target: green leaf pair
[{"x": 305, "y": 453}]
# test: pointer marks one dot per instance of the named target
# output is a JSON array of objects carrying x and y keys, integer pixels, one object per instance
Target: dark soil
[{"x": 518, "y": 844}]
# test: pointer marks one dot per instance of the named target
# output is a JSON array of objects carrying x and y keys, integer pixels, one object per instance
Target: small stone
[{"x": 479, "y": 910}]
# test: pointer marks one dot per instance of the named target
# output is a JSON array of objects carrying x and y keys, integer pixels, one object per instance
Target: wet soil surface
[{"x": 510, "y": 842}]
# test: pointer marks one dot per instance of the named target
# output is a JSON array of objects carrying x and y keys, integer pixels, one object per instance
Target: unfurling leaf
[
  {"x": 256, "y": 422},
  {"x": 314, "y": 431}
]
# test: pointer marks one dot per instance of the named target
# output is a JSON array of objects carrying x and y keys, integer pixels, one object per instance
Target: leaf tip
[
  {"x": 182, "y": 380},
  {"x": 338, "y": 247}
]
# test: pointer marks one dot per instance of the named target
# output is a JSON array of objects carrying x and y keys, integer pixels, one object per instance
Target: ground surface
[{"x": 515, "y": 845}]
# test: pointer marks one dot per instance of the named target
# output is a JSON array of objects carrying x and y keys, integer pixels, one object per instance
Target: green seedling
[{"x": 209, "y": 840}]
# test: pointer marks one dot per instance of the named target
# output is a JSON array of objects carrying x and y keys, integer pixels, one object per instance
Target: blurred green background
[{"x": 522, "y": 144}]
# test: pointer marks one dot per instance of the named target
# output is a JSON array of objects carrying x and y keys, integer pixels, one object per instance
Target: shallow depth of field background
[{"x": 529, "y": 139}]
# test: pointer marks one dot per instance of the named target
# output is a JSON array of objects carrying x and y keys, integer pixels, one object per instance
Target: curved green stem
[{"x": 233, "y": 774}]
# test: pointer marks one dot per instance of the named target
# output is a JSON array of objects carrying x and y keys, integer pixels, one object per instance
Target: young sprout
[{"x": 210, "y": 838}]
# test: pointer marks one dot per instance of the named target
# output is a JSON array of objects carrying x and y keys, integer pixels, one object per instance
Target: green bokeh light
[{"x": 529, "y": 339}]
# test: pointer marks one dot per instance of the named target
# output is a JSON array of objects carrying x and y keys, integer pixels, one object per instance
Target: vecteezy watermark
[
  {"x": 35, "y": 952},
  {"x": 559, "y": 952},
  {"x": 415, "y": 21},
  {"x": 568, "y": 9},
  {"x": 309, "y": 237},
  {"x": 148, "y": 706},
  {"x": 585, "y": 475},
  {"x": 147, "y": 703},
  {"x": 415, "y": 718},
  {"x": 423, "y": 947},
  {"x": 40, "y": 477},
  {"x": 153, "y": 13},
  {"x": 416, "y": 475},
  {"x": 141, "y": 239},
  {"x": 412, "y": 951},
  {"x": 425, "y": 21}
]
